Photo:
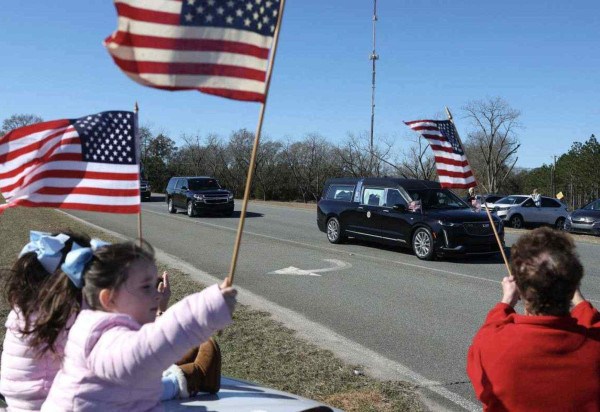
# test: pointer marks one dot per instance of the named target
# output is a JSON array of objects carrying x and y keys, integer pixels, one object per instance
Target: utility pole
[
  {"x": 374, "y": 57},
  {"x": 554, "y": 178}
]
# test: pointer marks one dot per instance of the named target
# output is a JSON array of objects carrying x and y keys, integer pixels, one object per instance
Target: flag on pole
[
  {"x": 219, "y": 47},
  {"x": 88, "y": 163},
  {"x": 450, "y": 160}
]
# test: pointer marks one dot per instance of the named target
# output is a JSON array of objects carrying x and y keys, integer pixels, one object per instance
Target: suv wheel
[
  {"x": 422, "y": 244},
  {"x": 190, "y": 209},
  {"x": 170, "y": 206},
  {"x": 334, "y": 231},
  {"x": 516, "y": 222},
  {"x": 560, "y": 223}
]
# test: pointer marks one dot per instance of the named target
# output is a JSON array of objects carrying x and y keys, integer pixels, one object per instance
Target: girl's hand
[
  {"x": 229, "y": 295},
  {"x": 164, "y": 288},
  {"x": 510, "y": 293}
]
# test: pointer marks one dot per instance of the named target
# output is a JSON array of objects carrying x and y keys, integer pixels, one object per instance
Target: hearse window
[
  {"x": 373, "y": 196},
  {"x": 437, "y": 199},
  {"x": 393, "y": 197},
  {"x": 180, "y": 183},
  {"x": 340, "y": 192}
]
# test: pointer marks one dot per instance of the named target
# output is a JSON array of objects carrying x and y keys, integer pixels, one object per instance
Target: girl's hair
[
  {"x": 61, "y": 300},
  {"x": 27, "y": 278}
]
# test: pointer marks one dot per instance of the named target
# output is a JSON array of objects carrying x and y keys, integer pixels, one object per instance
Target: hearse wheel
[
  {"x": 334, "y": 231},
  {"x": 422, "y": 244},
  {"x": 171, "y": 207}
]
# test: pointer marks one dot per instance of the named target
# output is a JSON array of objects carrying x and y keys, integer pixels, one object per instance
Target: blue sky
[{"x": 542, "y": 57}]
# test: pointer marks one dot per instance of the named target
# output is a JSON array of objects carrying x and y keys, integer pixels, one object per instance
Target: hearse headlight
[
  {"x": 230, "y": 196},
  {"x": 199, "y": 197},
  {"x": 448, "y": 224}
]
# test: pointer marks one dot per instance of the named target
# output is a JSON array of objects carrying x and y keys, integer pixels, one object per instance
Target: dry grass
[{"x": 254, "y": 348}]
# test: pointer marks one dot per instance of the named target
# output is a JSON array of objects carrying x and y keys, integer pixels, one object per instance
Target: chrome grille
[{"x": 213, "y": 199}]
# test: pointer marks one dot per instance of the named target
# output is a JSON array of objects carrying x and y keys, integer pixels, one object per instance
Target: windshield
[
  {"x": 437, "y": 199},
  {"x": 593, "y": 206},
  {"x": 511, "y": 200},
  {"x": 203, "y": 184}
]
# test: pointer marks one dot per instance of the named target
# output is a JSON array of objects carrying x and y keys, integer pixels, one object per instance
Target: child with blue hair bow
[{"x": 28, "y": 370}]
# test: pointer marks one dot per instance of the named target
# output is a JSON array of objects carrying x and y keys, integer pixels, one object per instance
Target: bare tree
[
  {"x": 492, "y": 145},
  {"x": 18, "y": 120},
  {"x": 355, "y": 158},
  {"x": 417, "y": 163}
]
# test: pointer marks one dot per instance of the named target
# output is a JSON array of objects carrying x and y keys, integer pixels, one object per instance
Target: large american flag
[
  {"x": 89, "y": 163},
  {"x": 219, "y": 47},
  {"x": 450, "y": 160}
]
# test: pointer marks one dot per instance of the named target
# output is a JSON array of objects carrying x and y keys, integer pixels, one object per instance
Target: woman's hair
[
  {"x": 60, "y": 300},
  {"x": 27, "y": 278},
  {"x": 547, "y": 271}
]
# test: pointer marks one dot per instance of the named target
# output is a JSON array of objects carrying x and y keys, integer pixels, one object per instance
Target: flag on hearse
[
  {"x": 451, "y": 162},
  {"x": 90, "y": 163},
  {"x": 218, "y": 47}
]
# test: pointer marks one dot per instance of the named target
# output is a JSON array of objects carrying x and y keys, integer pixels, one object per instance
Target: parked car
[
  {"x": 520, "y": 211},
  {"x": 198, "y": 194},
  {"x": 490, "y": 199},
  {"x": 237, "y": 395},
  {"x": 585, "y": 220},
  {"x": 416, "y": 214},
  {"x": 145, "y": 189}
]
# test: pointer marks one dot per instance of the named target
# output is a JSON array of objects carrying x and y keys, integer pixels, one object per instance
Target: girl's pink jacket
[
  {"x": 113, "y": 364},
  {"x": 25, "y": 380}
]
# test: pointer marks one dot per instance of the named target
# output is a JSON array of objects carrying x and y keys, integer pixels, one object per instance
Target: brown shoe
[{"x": 204, "y": 373}]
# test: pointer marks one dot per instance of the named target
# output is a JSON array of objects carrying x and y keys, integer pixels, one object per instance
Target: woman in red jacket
[{"x": 549, "y": 357}]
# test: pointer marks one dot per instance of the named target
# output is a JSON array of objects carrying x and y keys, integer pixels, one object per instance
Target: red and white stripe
[
  {"x": 453, "y": 169},
  {"x": 41, "y": 166},
  {"x": 153, "y": 49}
]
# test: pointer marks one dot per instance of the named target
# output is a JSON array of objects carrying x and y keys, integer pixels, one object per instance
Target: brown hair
[
  {"x": 27, "y": 278},
  {"x": 547, "y": 271},
  {"x": 108, "y": 269}
]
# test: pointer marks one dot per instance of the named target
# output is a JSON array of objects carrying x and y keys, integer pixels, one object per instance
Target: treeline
[{"x": 296, "y": 170}]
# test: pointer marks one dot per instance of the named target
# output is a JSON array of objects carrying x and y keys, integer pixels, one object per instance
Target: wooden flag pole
[
  {"x": 139, "y": 161},
  {"x": 252, "y": 164},
  {"x": 489, "y": 215}
]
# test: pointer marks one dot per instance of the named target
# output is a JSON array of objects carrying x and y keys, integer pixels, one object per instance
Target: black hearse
[{"x": 418, "y": 214}]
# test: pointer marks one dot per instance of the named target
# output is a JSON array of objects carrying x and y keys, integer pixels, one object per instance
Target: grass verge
[{"x": 254, "y": 347}]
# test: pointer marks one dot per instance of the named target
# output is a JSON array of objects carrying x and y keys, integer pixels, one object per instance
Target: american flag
[
  {"x": 89, "y": 163},
  {"x": 219, "y": 47},
  {"x": 450, "y": 160}
]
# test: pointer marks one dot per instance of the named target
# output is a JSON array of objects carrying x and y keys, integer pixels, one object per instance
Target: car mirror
[{"x": 399, "y": 207}]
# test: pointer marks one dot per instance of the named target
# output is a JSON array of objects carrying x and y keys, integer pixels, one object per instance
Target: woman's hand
[
  {"x": 164, "y": 288},
  {"x": 229, "y": 295},
  {"x": 577, "y": 298},
  {"x": 510, "y": 293}
]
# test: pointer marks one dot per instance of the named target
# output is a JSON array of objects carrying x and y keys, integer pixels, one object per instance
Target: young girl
[
  {"x": 117, "y": 349},
  {"x": 28, "y": 369}
]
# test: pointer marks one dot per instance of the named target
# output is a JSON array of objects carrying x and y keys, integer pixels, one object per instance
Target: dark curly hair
[
  {"x": 27, "y": 279},
  {"x": 547, "y": 271}
]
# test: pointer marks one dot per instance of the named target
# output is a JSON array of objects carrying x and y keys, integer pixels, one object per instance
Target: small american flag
[
  {"x": 89, "y": 163},
  {"x": 219, "y": 47},
  {"x": 450, "y": 160}
]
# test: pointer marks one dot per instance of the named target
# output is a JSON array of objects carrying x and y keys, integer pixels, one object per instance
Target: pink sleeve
[{"x": 121, "y": 353}]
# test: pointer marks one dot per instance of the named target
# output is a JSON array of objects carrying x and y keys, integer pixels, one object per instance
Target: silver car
[
  {"x": 586, "y": 219},
  {"x": 520, "y": 210}
]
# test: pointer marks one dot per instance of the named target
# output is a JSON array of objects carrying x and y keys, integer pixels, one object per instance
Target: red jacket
[{"x": 537, "y": 363}]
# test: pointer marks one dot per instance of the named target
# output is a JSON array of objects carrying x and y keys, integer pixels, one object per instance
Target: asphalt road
[{"x": 422, "y": 315}]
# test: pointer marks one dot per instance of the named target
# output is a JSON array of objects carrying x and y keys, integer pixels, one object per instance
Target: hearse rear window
[{"x": 340, "y": 192}]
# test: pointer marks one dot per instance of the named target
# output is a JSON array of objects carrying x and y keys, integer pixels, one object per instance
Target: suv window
[
  {"x": 511, "y": 200},
  {"x": 549, "y": 202},
  {"x": 529, "y": 203},
  {"x": 373, "y": 196},
  {"x": 179, "y": 183},
  {"x": 171, "y": 184},
  {"x": 340, "y": 192},
  {"x": 203, "y": 184}
]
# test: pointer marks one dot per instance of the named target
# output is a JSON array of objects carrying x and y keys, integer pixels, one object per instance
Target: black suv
[
  {"x": 418, "y": 214},
  {"x": 198, "y": 194},
  {"x": 145, "y": 189}
]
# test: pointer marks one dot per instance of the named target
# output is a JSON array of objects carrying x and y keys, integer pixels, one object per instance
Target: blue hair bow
[
  {"x": 77, "y": 258},
  {"x": 47, "y": 248}
]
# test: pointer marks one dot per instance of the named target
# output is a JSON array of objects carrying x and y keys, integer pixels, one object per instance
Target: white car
[
  {"x": 520, "y": 210},
  {"x": 241, "y": 396}
]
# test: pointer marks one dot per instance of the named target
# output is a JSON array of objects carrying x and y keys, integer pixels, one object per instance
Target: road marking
[
  {"x": 336, "y": 251},
  {"x": 292, "y": 270}
]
